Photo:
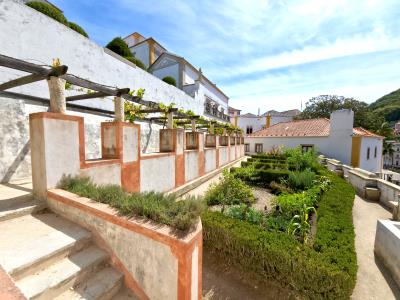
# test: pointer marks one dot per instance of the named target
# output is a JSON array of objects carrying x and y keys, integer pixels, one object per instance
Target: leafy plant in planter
[{"x": 299, "y": 225}]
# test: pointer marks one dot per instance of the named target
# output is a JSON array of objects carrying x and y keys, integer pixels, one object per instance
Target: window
[
  {"x": 306, "y": 148},
  {"x": 376, "y": 151},
  {"x": 368, "y": 152},
  {"x": 259, "y": 148},
  {"x": 246, "y": 147},
  {"x": 249, "y": 129}
]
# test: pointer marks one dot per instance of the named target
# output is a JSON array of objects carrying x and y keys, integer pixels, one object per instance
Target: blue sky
[{"x": 265, "y": 54}]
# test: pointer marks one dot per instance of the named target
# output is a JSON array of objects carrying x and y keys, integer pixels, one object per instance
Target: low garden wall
[
  {"x": 156, "y": 263},
  {"x": 387, "y": 245},
  {"x": 361, "y": 180},
  {"x": 58, "y": 148}
]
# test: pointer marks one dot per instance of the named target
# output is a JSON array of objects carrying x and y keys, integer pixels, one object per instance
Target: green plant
[
  {"x": 159, "y": 207},
  {"x": 302, "y": 160},
  {"x": 119, "y": 46},
  {"x": 299, "y": 225},
  {"x": 327, "y": 270},
  {"x": 170, "y": 80},
  {"x": 48, "y": 10},
  {"x": 228, "y": 191},
  {"x": 260, "y": 177},
  {"x": 77, "y": 28},
  {"x": 137, "y": 62},
  {"x": 279, "y": 188},
  {"x": 246, "y": 213},
  {"x": 300, "y": 181}
]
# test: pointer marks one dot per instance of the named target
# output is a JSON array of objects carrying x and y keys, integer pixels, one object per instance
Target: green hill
[{"x": 388, "y": 106}]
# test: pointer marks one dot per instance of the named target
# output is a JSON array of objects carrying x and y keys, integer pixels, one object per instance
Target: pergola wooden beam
[
  {"x": 56, "y": 71},
  {"x": 86, "y": 96}
]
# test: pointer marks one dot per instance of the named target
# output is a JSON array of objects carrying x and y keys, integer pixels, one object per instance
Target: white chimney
[{"x": 340, "y": 136}]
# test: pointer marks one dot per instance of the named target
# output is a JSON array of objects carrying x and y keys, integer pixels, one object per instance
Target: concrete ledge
[
  {"x": 8, "y": 289},
  {"x": 157, "y": 262},
  {"x": 387, "y": 245},
  {"x": 187, "y": 187}
]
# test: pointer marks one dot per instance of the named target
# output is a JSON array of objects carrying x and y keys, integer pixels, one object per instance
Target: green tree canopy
[
  {"x": 119, "y": 46},
  {"x": 322, "y": 106}
]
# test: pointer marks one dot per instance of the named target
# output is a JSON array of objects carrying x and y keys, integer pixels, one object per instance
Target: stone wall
[{"x": 32, "y": 36}]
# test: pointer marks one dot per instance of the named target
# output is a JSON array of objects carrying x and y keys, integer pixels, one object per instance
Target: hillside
[{"x": 389, "y": 106}]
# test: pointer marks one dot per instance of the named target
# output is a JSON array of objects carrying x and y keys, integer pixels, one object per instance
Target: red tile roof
[
  {"x": 359, "y": 131},
  {"x": 311, "y": 127}
]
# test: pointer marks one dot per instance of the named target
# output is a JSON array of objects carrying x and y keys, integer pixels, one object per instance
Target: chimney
[{"x": 340, "y": 136}]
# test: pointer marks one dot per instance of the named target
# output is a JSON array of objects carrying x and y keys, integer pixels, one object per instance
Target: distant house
[
  {"x": 251, "y": 123},
  {"x": 191, "y": 80},
  {"x": 397, "y": 128},
  {"x": 392, "y": 159},
  {"x": 336, "y": 138},
  {"x": 145, "y": 49}
]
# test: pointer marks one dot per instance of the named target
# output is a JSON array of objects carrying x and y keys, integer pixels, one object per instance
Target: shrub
[
  {"x": 48, "y": 10},
  {"x": 260, "y": 177},
  {"x": 326, "y": 271},
  {"x": 161, "y": 208},
  {"x": 279, "y": 188},
  {"x": 228, "y": 191},
  {"x": 269, "y": 156},
  {"x": 292, "y": 204},
  {"x": 119, "y": 46},
  {"x": 243, "y": 212},
  {"x": 170, "y": 80},
  {"x": 258, "y": 164},
  {"x": 301, "y": 181},
  {"x": 302, "y": 161},
  {"x": 137, "y": 62},
  {"x": 77, "y": 28}
]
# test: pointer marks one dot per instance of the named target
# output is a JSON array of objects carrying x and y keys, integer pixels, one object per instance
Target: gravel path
[
  {"x": 263, "y": 199},
  {"x": 373, "y": 280}
]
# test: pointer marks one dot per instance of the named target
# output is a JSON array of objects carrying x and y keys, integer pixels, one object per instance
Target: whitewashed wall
[
  {"x": 32, "y": 36},
  {"x": 190, "y": 75},
  {"x": 171, "y": 70},
  {"x": 141, "y": 52},
  {"x": 373, "y": 164},
  {"x": 259, "y": 122}
]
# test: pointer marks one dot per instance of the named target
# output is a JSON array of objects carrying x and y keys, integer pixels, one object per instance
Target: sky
[{"x": 265, "y": 55}]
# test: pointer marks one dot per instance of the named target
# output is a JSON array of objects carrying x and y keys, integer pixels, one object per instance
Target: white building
[
  {"x": 251, "y": 123},
  {"x": 145, "y": 49},
  {"x": 335, "y": 138},
  {"x": 191, "y": 80}
]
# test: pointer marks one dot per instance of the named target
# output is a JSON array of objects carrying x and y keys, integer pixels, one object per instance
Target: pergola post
[
  {"x": 119, "y": 109},
  {"x": 193, "y": 125},
  {"x": 211, "y": 128},
  {"x": 170, "y": 120},
  {"x": 57, "y": 94}
]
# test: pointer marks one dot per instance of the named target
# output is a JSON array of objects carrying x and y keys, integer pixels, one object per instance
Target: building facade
[
  {"x": 335, "y": 138},
  {"x": 392, "y": 158},
  {"x": 251, "y": 123}
]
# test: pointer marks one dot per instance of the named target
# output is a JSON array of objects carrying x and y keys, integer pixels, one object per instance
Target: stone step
[
  {"x": 21, "y": 208},
  {"x": 104, "y": 285},
  {"x": 125, "y": 294},
  {"x": 31, "y": 242},
  {"x": 63, "y": 275}
]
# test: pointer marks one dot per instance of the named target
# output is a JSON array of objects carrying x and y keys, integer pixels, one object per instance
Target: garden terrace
[{"x": 325, "y": 270}]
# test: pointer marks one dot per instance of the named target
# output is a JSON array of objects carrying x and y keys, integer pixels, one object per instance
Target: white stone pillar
[
  {"x": 57, "y": 94},
  {"x": 119, "y": 109}
]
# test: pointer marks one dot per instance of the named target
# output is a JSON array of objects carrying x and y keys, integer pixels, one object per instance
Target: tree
[
  {"x": 385, "y": 130},
  {"x": 323, "y": 105}
]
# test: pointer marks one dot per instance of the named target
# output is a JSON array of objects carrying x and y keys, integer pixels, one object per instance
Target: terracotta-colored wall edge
[
  {"x": 8, "y": 289},
  {"x": 120, "y": 220}
]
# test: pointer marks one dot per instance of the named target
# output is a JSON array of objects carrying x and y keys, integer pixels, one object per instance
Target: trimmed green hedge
[
  {"x": 327, "y": 271},
  {"x": 77, "y": 28},
  {"x": 137, "y": 62},
  {"x": 119, "y": 46},
  {"x": 263, "y": 165},
  {"x": 170, "y": 80},
  {"x": 252, "y": 159},
  {"x": 262, "y": 176},
  {"x": 269, "y": 156},
  {"x": 49, "y": 11}
]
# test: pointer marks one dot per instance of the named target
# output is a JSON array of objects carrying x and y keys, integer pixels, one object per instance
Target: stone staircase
[{"x": 49, "y": 257}]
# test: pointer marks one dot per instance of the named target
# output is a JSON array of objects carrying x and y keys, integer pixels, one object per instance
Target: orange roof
[
  {"x": 359, "y": 131},
  {"x": 311, "y": 127}
]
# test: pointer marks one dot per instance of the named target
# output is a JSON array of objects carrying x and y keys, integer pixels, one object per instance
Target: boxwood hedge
[
  {"x": 325, "y": 271},
  {"x": 262, "y": 177}
]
